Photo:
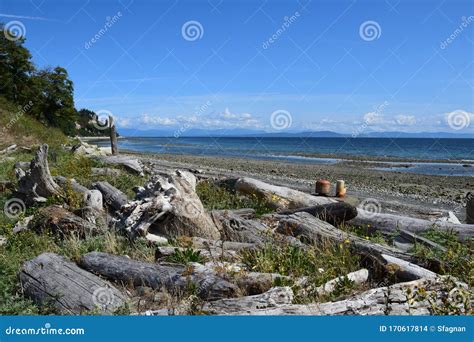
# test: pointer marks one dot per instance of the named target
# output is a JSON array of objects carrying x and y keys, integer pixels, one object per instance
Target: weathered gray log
[
  {"x": 390, "y": 223},
  {"x": 60, "y": 221},
  {"x": 201, "y": 243},
  {"x": 209, "y": 253},
  {"x": 470, "y": 208},
  {"x": 66, "y": 183},
  {"x": 279, "y": 196},
  {"x": 271, "y": 298},
  {"x": 235, "y": 228},
  {"x": 113, "y": 136},
  {"x": 51, "y": 280},
  {"x": 419, "y": 297},
  {"x": 312, "y": 230},
  {"x": 414, "y": 238},
  {"x": 246, "y": 213},
  {"x": 357, "y": 277},
  {"x": 36, "y": 184},
  {"x": 129, "y": 163},
  {"x": 169, "y": 206},
  {"x": 176, "y": 279},
  {"x": 333, "y": 213},
  {"x": 112, "y": 197},
  {"x": 405, "y": 270},
  {"x": 105, "y": 171}
]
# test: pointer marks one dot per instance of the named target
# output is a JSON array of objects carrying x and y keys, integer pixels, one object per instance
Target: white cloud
[
  {"x": 405, "y": 120},
  {"x": 157, "y": 120}
]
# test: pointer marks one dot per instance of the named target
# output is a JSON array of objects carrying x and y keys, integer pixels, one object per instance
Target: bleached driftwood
[
  {"x": 209, "y": 253},
  {"x": 334, "y": 213},
  {"x": 129, "y": 163},
  {"x": 66, "y": 183},
  {"x": 112, "y": 197},
  {"x": 405, "y": 270},
  {"x": 176, "y": 279},
  {"x": 390, "y": 223},
  {"x": 37, "y": 184},
  {"x": 357, "y": 277},
  {"x": 418, "y": 297},
  {"x": 271, "y": 298},
  {"x": 235, "y": 228},
  {"x": 201, "y": 243},
  {"x": 279, "y": 196},
  {"x": 312, "y": 230},
  {"x": 169, "y": 206},
  {"x": 52, "y": 280}
]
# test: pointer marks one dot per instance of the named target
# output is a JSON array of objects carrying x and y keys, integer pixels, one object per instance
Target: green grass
[
  {"x": 215, "y": 197},
  {"x": 457, "y": 260},
  {"x": 19, "y": 129},
  {"x": 27, "y": 245},
  {"x": 185, "y": 256},
  {"x": 318, "y": 263}
]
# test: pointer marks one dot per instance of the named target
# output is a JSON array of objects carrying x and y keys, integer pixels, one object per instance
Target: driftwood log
[
  {"x": 312, "y": 230},
  {"x": 176, "y": 279},
  {"x": 130, "y": 164},
  {"x": 418, "y": 297},
  {"x": 169, "y": 206},
  {"x": 390, "y": 223},
  {"x": 37, "y": 184},
  {"x": 357, "y": 277},
  {"x": 279, "y": 196},
  {"x": 209, "y": 253},
  {"x": 405, "y": 270},
  {"x": 51, "y": 280},
  {"x": 201, "y": 243},
  {"x": 112, "y": 197},
  {"x": 66, "y": 183},
  {"x": 271, "y": 298},
  {"x": 333, "y": 213},
  {"x": 60, "y": 221},
  {"x": 235, "y": 228},
  {"x": 414, "y": 238}
]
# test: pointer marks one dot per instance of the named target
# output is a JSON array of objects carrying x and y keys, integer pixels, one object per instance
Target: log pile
[{"x": 167, "y": 211}]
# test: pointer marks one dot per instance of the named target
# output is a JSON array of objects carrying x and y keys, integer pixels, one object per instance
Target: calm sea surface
[{"x": 309, "y": 150}]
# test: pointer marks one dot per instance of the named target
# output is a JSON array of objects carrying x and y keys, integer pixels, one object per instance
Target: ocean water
[{"x": 319, "y": 150}]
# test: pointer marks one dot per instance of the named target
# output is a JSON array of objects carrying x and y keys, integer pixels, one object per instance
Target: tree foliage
[{"x": 50, "y": 89}]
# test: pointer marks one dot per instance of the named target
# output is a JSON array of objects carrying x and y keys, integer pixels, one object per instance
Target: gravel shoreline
[{"x": 414, "y": 194}]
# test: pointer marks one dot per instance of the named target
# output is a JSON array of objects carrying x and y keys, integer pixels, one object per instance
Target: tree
[
  {"x": 54, "y": 93},
  {"x": 16, "y": 69}
]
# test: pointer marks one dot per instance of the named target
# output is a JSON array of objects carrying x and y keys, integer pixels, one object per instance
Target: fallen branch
[
  {"x": 390, "y": 223},
  {"x": 176, "y": 279},
  {"x": 279, "y": 196}
]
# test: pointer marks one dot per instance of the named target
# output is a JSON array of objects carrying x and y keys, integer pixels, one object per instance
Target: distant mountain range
[{"x": 127, "y": 132}]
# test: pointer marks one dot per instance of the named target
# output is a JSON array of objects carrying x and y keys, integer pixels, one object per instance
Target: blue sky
[{"x": 310, "y": 63}]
